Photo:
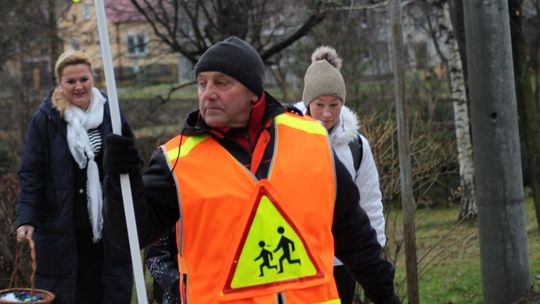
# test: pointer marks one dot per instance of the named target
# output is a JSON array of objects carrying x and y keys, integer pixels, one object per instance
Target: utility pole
[
  {"x": 496, "y": 152},
  {"x": 405, "y": 172}
]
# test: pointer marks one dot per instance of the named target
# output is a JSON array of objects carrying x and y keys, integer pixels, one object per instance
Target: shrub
[
  {"x": 7, "y": 161},
  {"x": 435, "y": 171},
  {"x": 8, "y": 195}
]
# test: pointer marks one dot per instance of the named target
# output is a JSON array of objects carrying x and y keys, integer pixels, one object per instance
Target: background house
[{"x": 138, "y": 56}]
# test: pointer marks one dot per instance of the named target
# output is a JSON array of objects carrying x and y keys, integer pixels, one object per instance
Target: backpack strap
[{"x": 355, "y": 146}]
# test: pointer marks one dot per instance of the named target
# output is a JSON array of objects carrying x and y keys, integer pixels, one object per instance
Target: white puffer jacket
[{"x": 367, "y": 177}]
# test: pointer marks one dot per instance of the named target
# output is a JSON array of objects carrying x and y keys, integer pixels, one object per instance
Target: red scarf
[{"x": 254, "y": 127}]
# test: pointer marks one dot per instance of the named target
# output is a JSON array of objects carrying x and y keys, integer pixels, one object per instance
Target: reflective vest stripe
[
  {"x": 336, "y": 301},
  {"x": 186, "y": 147},
  {"x": 309, "y": 126}
]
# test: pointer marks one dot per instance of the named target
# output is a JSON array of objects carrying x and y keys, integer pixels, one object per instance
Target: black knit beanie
[{"x": 236, "y": 58}]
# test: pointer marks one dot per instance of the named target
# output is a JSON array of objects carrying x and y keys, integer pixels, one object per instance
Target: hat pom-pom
[{"x": 327, "y": 53}]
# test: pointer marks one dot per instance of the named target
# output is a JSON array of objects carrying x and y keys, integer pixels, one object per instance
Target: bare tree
[
  {"x": 529, "y": 122},
  {"x": 20, "y": 23},
  {"x": 532, "y": 23},
  {"x": 407, "y": 197},
  {"x": 461, "y": 119},
  {"x": 190, "y": 27},
  {"x": 23, "y": 47},
  {"x": 444, "y": 32}
]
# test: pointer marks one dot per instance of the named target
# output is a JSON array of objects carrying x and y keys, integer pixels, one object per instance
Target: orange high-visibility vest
[{"x": 243, "y": 240}]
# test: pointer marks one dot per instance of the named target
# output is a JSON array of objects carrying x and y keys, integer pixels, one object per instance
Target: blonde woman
[{"x": 60, "y": 197}]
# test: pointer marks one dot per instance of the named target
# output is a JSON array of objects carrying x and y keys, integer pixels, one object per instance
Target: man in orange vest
[{"x": 243, "y": 176}]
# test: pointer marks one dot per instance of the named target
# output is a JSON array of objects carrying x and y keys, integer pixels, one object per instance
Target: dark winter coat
[
  {"x": 156, "y": 206},
  {"x": 46, "y": 201}
]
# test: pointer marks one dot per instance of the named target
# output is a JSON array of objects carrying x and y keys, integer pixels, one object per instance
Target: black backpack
[{"x": 356, "y": 149}]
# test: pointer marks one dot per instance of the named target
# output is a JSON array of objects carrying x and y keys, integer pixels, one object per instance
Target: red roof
[{"x": 123, "y": 10}]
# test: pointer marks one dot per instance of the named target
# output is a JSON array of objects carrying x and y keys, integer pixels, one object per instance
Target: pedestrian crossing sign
[{"x": 272, "y": 250}]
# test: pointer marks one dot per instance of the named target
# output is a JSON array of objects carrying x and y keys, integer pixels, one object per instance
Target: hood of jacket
[
  {"x": 347, "y": 126},
  {"x": 46, "y": 107}
]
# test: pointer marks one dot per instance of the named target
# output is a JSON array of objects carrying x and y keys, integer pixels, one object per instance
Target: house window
[
  {"x": 74, "y": 44},
  {"x": 137, "y": 44},
  {"x": 366, "y": 54},
  {"x": 86, "y": 11}
]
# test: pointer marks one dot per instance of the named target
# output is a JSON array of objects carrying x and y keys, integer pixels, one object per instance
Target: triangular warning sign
[{"x": 272, "y": 250}]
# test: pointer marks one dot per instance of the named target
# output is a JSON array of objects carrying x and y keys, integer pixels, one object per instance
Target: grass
[
  {"x": 146, "y": 91},
  {"x": 148, "y": 282},
  {"x": 448, "y": 256}
]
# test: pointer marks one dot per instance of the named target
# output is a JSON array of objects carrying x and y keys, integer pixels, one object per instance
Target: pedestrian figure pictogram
[
  {"x": 286, "y": 245},
  {"x": 266, "y": 256}
]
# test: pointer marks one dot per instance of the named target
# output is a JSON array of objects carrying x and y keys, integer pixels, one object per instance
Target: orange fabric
[
  {"x": 258, "y": 152},
  {"x": 216, "y": 196}
]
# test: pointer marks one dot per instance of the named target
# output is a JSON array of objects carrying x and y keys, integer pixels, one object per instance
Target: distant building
[
  {"x": 137, "y": 54},
  {"x": 374, "y": 26}
]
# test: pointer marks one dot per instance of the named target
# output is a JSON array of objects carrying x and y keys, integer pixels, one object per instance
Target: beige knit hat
[{"x": 323, "y": 76}]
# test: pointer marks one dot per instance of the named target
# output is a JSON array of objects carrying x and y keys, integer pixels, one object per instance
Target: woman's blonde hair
[{"x": 66, "y": 59}]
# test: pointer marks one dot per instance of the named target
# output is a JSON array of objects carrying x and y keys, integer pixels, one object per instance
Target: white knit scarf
[{"x": 78, "y": 123}]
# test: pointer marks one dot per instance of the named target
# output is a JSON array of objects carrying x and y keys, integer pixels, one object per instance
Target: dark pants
[
  {"x": 345, "y": 284},
  {"x": 89, "y": 269}
]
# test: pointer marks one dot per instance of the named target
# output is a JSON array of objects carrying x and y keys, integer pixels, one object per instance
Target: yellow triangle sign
[{"x": 272, "y": 250}]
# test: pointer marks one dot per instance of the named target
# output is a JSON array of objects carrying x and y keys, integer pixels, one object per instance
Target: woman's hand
[{"x": 25, "y": 232}]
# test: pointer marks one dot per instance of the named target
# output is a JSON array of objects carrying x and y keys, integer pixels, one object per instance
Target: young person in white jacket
[{"x": 323, "y": 99}]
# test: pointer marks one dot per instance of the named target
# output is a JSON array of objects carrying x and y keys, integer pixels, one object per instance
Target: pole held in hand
[{"x": 117, "y": 129}]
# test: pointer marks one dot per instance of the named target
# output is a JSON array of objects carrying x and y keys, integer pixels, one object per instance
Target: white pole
[{"x": 117, "y": 129}]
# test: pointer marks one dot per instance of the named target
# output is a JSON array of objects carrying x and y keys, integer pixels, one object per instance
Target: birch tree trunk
[{"x": 461, "y": 117}]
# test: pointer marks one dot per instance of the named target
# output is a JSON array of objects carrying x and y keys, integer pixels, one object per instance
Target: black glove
[{"x": 121, "y": 155}]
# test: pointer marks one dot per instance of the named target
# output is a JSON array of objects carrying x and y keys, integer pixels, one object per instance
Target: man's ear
[{"x": 254, "y": 99}]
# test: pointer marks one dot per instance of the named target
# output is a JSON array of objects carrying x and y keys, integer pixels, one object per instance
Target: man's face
[
  {"x": 326, "y": 109},
  {"x": 223, "y": 101}
]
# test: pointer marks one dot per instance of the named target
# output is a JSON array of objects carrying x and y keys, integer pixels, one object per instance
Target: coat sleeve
[
  {"x": 155, "y": 203},
  {"x": 356, "y": 242},
  {"x": 367, "y": 181},
  {"x": 32, "y": 173}
]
